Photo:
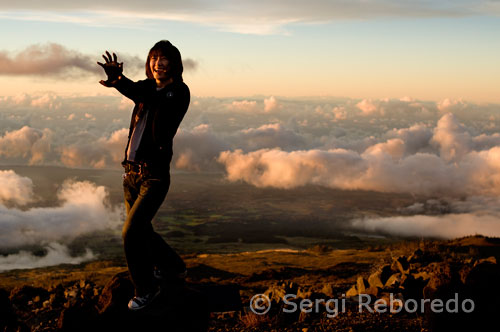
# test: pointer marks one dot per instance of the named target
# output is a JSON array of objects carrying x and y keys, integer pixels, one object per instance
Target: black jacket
[{"x": 166, "y": 109}]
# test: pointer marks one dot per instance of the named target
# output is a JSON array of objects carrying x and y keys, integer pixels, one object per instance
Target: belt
[
  {"x": 135, "y": 168},
  {"x": 144, "y": 169}
]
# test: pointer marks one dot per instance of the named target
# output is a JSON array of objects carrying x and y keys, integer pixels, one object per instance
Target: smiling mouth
[{"x": 160, "y": 70}]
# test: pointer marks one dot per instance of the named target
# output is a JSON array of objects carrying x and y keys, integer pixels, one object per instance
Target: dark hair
[{"x": 165, "y": 48}]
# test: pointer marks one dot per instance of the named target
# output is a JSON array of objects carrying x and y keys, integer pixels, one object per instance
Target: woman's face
[{"x": 159, "y": 67}]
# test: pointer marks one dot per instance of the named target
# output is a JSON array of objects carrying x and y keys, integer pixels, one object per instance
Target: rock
[
  {"x": 304, "y": 293},
  {"x": 78, "y": 317},
  {"x": 393, "y": 281},
  {"x": 20, "y": 296},
  {"x": 386, "y": 272},
  {"x": 277, "y": 292},
  {"x": 327, "y": 290},
  {"x": 352, "y": 292},
  {"x": 424, "y": 275},
  {"x": 178, "y": 308},
  {"x": 361, "y": 285},
  {"x": 8, "y": 318},
  {"x": 412, "y": 288},
  {"x": 56, "y": 297},
  {"x": 375, "y": 279},
  {"x": 374, "y": 291},
  {"x": 441, "y": 274},
  {"x": 116, "y": 294},
  {"x": 482, "y": 283},
  {"x": 491, "y": 260},
  {"x": 220, "y": 297},
  {"x": 386, "y": 298},
  {"x": 445, "y": 285},
  {"x": 401, "y": 265},
  {"x": 416, "y": 257}
]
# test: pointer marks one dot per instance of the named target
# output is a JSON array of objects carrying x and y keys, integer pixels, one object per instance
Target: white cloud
[
  {"x": 270, "y": 104},
  {"x": 269, "y": 136},
  {"x": 56, "y": 254},
  {"x": 83, "y": 208},
  {"x": 452, "y": 138},
  {"x": 197, "y": 149},
  {"x": 444, "y": 226},
  {"x": 396, "y": 165},
  {"x": 103, "y": 152},
  {"x": 243, "y": 106},
  {"x": 448, "y": 105},
  {"x": 27, "y": 143},
  {"x": 367, "y": 106},
  {"x": 15, "y": 188}
]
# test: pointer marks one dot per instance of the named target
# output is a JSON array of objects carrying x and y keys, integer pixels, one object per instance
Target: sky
[
  {"x": 357, "y": 49},
  {"x": 379, "y": 95}
]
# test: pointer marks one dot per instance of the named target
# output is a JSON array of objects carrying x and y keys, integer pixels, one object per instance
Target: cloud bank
[
  {"x": 447, "y": 226},
  {"x": 56, "y": 254},
  {"x": 82, "y": 209},
  {"x": 448, "y": 149},
  {"x": 419, "y": 160}
]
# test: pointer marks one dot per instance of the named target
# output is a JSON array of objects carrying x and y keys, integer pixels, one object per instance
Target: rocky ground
[{"x": 420, "y": 278}]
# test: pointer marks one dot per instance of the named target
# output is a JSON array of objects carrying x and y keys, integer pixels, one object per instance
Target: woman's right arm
[
  {"x": 136, "y": 91},
  {"x": 114, "y": 70}
]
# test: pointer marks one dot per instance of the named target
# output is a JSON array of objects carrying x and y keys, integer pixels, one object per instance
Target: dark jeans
[{"x": 144, "y": 248}]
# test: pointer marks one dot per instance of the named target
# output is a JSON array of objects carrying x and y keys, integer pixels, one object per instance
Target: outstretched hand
[{"x": 112, "y": 68}]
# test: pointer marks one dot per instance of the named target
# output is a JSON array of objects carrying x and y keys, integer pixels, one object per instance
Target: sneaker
[
  {"x": 162, "y": 275},
  {"x": 139, "y": 302}
]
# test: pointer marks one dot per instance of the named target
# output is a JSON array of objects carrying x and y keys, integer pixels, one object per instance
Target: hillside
[{"x": 62, "y": 297}]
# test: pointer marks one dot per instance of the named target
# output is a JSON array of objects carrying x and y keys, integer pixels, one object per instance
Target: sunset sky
[{"x": 429, "y": 50}]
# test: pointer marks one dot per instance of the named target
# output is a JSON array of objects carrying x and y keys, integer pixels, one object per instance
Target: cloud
[
  {"x": 448, "y": 105},
  {"x": 102, "y": 152},
  {"x": 96, "y": 135},
  {"x": 197, "y": 149},
  {"x": 82, "y": 208},
  {"x": 418, "y": 161},
  {"x": 270, "y": 104},
  {"x": 26, "y": 143},
  {"x": 48, "y": 100},
  {"x": 276, "y": 168},
  {"x": 45, "y": 60},
  {"x": 56, "y": 254},
  {"x": 452, "y": 137},
  {"x": 269, "y": 136},
  {"x": 243, "y": 105},
  {"x": 15, "y": 188},
  {"x": 189, "y": 64},
  {"x": 445, "y": 226},
  {"x": 256, "y": 17},
  {"x": 367, "y": 106},
  {"x": 53, "y": 59},
  {"x": 416, "y": 138}
]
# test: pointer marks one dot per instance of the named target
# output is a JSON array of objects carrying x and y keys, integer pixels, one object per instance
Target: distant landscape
[
  {"x": 204, "y": 213},
  {"x": 235, "y": 235}
]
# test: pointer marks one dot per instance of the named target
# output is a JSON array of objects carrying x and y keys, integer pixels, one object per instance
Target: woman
[{"x": 161, "y": 101}]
